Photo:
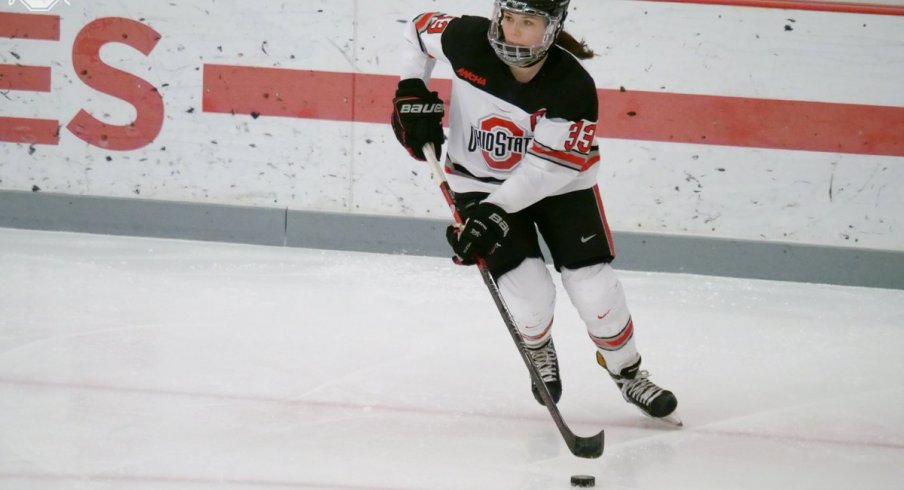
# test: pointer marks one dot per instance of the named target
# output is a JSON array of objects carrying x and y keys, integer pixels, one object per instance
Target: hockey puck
[{"x": 582, "y": 481}]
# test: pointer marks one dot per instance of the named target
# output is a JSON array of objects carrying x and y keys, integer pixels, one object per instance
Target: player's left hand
[{"x": 485, "y": 227}]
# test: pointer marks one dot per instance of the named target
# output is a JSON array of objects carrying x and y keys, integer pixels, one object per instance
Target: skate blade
[{"x": 672, "y": 419}]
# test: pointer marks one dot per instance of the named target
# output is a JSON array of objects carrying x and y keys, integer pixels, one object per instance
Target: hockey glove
[
  {"x": 485, "y": 228},
  {"x": 417, "y": 118}
]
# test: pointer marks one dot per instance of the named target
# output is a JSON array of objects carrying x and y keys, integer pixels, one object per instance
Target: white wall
[{"x": 308, "y": 164}]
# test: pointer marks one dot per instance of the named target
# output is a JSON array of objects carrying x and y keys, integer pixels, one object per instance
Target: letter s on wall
[{"x": 98, "y": 75}]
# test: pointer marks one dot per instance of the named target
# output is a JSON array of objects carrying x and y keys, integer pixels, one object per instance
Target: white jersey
[{"x": 519, "y": 142}]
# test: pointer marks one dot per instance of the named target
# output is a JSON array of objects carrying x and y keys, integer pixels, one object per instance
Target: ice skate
[
  {"x": 547, "y": 363},
  {"x": 638, "y": 390}
]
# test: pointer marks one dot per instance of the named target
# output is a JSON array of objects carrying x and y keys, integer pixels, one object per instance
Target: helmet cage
[{"x": 523, "y": 56}]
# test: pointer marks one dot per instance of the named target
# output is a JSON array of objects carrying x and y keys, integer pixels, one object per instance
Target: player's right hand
[
  {"x": 486, "y": 226},
  {"x": 417, "y": 118}
]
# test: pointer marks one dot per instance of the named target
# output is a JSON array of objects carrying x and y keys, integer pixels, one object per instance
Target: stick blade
[{"x": 587, "y": 447}]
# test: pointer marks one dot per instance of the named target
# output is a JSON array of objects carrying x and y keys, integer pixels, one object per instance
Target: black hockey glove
[
  {"x": 417, "y": 118},
  {"x": 485, "y": 227}
]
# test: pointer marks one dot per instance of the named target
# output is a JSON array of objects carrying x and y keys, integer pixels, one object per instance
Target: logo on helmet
[{"x": 39, "y": 5}]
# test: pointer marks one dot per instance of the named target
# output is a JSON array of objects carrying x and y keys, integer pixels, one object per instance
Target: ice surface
[{"x": 132, "y": 363}]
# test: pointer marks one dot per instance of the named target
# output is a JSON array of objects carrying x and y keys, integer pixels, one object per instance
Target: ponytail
[{"x": 578, "y": 49}]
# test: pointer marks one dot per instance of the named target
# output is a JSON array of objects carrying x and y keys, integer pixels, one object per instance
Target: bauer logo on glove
[
  {"x": 501, "y": 223},
  {"x": 421, "y": 108},
  {"x": 487, "y": 225},
  {"x": 417, "y": 118}
]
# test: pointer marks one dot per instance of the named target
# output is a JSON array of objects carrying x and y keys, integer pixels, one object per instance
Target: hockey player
[{"x": 522, "y": 157}]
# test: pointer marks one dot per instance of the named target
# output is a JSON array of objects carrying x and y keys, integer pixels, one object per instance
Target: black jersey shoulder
[
  {"x": 466, "y": 37},
  {"x": 562, "y": 87},
  {"x": 574, "y": 90}
]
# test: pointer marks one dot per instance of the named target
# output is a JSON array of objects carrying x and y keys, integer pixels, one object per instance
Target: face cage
[{"x": 514, "y": 55}]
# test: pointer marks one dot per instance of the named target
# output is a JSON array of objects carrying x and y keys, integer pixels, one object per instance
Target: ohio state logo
[
  {"x": 39, "y": 5},
  {"x": 502, "y": 142}
]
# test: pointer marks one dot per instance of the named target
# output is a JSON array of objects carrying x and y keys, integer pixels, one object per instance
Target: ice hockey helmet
[{"x": 554, "y": 11}]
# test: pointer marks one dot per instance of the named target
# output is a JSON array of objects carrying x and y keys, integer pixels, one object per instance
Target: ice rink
[{"x": 132, "y": 363}]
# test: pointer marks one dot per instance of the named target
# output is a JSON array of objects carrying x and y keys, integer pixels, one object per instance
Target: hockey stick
[{"x": 582, "y": 447}]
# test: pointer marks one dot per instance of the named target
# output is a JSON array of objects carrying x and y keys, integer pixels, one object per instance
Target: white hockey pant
[
  {"x": 530, "y": 295},
  {"x": 596, "y": 293}
]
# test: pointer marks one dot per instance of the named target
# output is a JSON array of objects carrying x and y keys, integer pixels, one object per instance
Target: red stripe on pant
[
  {"x": 618, "y": 341},
  {"x": 602, "y": 209},
  {"x": 540, "y": 336}
]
